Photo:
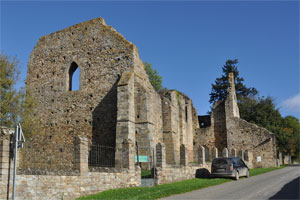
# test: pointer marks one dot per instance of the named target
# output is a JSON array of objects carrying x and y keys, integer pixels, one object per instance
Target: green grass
[
  {"x": 165, "y": 190},
  {"x": 146, "y": 173},
  {"x": 257, "y": 171}
]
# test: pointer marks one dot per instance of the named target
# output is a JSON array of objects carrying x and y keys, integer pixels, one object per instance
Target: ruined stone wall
[
  {"x": 139, "y": 112},
  {"x": 179, "y": 124},
  {"x": 148, "y": 115},
  {"x": 214, "y": 134},
  {"x": 247, "y": 136},
  {"x": 219, "y": 124},
  {"x": 171, "y": 174},
  {"x": 102, "y": 55},
  {"x": 226, "y": 129},
  {"x": 33, "y": 183},
  {"x": 258, "y": 140},
  {"x": 68, "y": 187},
  {"x": 170, "y": 127}
]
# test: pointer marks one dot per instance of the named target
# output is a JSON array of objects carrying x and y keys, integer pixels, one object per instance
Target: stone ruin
[
  {"x": 116, "y": 103},
  {"x": 116, "y": 107}
]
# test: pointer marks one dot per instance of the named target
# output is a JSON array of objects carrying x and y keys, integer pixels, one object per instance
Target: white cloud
[{"x": 292, "y": 104}]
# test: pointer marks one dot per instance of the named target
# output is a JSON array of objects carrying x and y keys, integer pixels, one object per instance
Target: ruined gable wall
[
  {"x": 247, "y": 136},
  {"x": 242, "y": 135},
  {"x": 219, "y": 124},
  {"x": 102, "y": 55}
]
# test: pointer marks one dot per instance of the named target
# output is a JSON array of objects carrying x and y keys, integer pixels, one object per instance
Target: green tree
[
  {"x": 219, "y": 88},
  {"x": 15, "y": 106},
  {"x": 263, "y": 112},
  {"x": 154, "y": 77},
  {"x": 10, "y": 98},
  {"x": 30, "y": 126},
  {"x": 291, "y": 129}
]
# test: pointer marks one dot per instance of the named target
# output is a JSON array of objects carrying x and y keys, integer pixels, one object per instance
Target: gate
[{"x": 145, "y": 158}]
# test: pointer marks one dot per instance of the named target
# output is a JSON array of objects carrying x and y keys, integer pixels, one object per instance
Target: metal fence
[{"x": 101, "y": 156}]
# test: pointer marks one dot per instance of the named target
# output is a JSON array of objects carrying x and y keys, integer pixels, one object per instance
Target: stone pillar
[
  {"x": 241, "y": 154},
  {"x": 81, "y": 155},
  {"x": 201, "y": 155},
  {"x": 160, "y": 155},
  {"x": 128, "y": 154},
  {"x": 183, "y": 155},
  {"x": 231, "y": 106},
  {"x": 249, "y": 155},
  {"x": 214, "y": 152},
  {"x": 225, "y": 152},
  {"x": 280, "y": 158},
  {"x": 125, "y": 116},
  {"x": 4, "y": 157},
  {"x": 233, "y": 153},
  {"x": 287, "y": 159}
]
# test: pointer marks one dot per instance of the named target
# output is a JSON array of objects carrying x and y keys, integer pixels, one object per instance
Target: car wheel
[
  {"x": 248, "y": 174},
  {"x": 236, "y": 176}
]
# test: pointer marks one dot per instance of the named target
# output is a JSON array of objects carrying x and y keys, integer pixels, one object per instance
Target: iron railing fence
[{"x": 101, "y": 156}]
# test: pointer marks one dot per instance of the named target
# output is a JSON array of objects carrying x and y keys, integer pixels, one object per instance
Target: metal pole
[
  {"x": 153, "y": 164},
  {"x": 15, "y": 161},
  {"x": 137, "y": 152}
]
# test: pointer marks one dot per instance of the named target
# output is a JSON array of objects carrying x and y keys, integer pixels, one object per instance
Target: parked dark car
[{"x": 233, "y": 167}]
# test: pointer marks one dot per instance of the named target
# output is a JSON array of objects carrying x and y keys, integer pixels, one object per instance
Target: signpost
[{"x": 18, "y": 143}]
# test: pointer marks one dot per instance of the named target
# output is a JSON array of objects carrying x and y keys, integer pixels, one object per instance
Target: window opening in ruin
[
  {"x": 74, "y": 74},
  {"x": 186, "y": 114}
]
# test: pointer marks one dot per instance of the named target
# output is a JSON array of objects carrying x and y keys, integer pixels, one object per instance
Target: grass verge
[
  {"x": 165, "y": 190},
  {"x": 257, "y": 171}
]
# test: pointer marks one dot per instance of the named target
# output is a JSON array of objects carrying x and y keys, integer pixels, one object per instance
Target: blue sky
[{"x": 187, "y": 42}]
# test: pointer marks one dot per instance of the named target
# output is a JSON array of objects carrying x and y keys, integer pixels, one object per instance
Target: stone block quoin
[{"x": 81, "y": 154}]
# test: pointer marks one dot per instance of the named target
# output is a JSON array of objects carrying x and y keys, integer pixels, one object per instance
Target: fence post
[{"x": 81, "y": 155}]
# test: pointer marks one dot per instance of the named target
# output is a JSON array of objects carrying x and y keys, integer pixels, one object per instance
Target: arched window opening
[{"x": 74, "y": 74}]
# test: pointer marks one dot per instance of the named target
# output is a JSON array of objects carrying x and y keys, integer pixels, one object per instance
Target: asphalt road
[{"x": 278, "y": 184}]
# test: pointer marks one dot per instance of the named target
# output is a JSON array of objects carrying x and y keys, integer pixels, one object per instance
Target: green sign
[{"x": 141, "y": 159}]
